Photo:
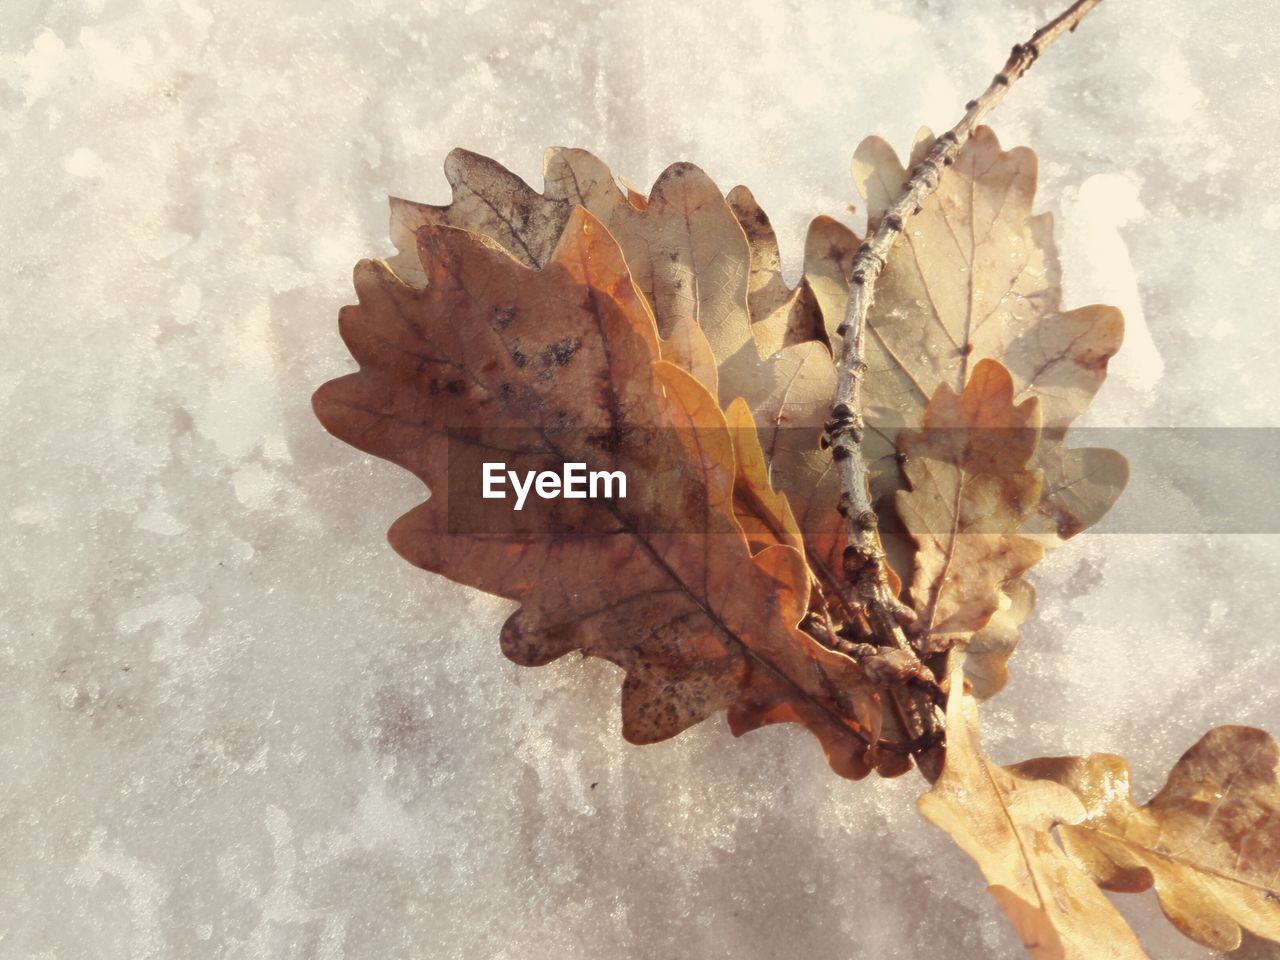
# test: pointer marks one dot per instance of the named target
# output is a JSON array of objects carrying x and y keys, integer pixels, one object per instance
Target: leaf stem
[{"x": 864, "y": 559}]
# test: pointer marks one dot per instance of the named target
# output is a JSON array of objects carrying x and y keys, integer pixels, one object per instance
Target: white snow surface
[{"x": 234, "y": 724}]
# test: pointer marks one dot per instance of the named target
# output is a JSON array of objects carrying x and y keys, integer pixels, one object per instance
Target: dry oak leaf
[
  {"x": 683, "y": 245},
  {"x": 686, "y": 249},
  {"x": 1004, "y": 821},
  {"x": 829, "y": 249},
  {"x": 1209, "y": 842},
  {"x": 987, "y": 652},
  {"x": 789, "y": 390},
  {"x": 1080, "y": 485},
  {"x": 763, "y": 514},
  {"x": 780, "y": 315},
  {"x": 992, "y": 292},
  {"x": 687, "y": 253},
  {"x": 971, "y": 490},
  {"x": 975, "y": 276},
  {"x": 492, "y": 201},
  {"x": 784, "y": 402},
  {"x": 491, "y": 357},
  {"x": 766, "y": 288}
]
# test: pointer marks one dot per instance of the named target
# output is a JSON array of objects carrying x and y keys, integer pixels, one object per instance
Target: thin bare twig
[{"x": 865, "y": 566}]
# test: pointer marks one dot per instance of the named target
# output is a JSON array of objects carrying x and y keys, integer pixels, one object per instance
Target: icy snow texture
[{"x": 236, "y": 725}]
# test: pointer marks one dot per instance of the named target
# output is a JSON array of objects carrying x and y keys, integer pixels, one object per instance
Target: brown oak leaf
[
  {"x": 659, "y": 236},
  {"x": 491, "y": 359},
  {"x": 487, "y": 199}
]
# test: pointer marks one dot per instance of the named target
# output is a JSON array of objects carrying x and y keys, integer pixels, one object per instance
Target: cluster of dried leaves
[{"x": 656, "y": 335}]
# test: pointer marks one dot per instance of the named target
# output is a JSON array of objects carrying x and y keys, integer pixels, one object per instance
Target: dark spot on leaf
[
  {"x": 519, "y": 358},
  {"x": 561, "y": 352},
  {"x": 610, "y": 441},
  {"x": 503, "y": 316},
  {"x": 1068, "y": 525}
]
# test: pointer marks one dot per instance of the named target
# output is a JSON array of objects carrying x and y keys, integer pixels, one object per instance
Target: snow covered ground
[{"x": 234, "y": 724}]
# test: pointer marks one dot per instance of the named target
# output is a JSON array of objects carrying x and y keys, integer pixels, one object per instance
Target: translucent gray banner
[{"x": 1189, "y": 480}]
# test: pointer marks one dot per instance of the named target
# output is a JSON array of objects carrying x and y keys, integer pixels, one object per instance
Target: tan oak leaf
[
  {"x": 1209, "y": 841},
  {"x": 1004, "y": 820},
  {"x": 976, "y": 276},
  {"x": 987, "y": 652},
  {"x": 972, "y": 488},
  {"x": 780, "y": 315}
]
